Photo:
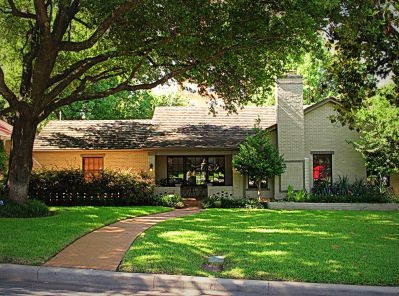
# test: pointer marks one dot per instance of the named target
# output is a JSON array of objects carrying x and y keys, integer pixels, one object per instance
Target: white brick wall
[
  {"x": 322, "y": 135},
  {"x": 290, "y": 128}
]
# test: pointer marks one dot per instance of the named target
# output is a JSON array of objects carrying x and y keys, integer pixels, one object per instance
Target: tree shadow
[
  {"x": 129, "y": 134},
  {"x": 317, "y": 246}
]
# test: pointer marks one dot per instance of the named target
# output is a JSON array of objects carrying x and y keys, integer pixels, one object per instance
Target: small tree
[{"x": 258, "y": 158}]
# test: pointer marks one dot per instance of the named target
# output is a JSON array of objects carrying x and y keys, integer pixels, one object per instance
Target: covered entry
[{"x": 194, "y": 173}]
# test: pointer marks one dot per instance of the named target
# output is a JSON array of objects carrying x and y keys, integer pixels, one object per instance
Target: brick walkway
[{"x": 105, "y": 247}]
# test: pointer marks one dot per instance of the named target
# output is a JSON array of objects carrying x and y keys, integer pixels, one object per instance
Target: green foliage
[
  {"x": 378, "y": 124},
  {"x": 30, "y": 209},
  {"x": 290, "y": 193},
  {"x": 364, "y": 37},
  {"x": 344, "y": 191},
  {"x": 297, "y": 196},
  {"x": 169, "y": 200},
  {"x": 313, "y": 65},
  {"x": 138, "y": 105},
  {"x": 69, "y": 187},
  {"x": 217, "y": 201},
  {"x": 258, "y": 158},
  {"x": 237, "y": 47},
  {"x": 3, "y": 159}
]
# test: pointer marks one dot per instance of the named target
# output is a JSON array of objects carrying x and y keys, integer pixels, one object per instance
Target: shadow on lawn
[{"x": 315, "y": 246}]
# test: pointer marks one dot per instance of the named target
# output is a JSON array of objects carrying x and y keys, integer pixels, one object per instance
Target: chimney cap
[{"x": 290, "y": 78}]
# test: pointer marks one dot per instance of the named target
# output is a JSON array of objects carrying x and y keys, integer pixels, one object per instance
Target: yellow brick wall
[
  {"x": 113, "y": 160},
  {"x": 322, "y": 135}
]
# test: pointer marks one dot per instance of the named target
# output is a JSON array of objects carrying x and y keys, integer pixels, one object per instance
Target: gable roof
[{"x": 170, "y": 127}]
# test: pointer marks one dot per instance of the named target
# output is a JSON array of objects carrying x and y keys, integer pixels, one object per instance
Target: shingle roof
[
  {"x": 93, "y": 134},
  {"x": 171, "y": 127}
]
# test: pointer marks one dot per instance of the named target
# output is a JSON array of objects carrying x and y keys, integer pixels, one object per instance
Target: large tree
[
  {"x": 56, "y": 52},
  {"x": 364, "y": 41},
  {"x": 378, "y": 123}
]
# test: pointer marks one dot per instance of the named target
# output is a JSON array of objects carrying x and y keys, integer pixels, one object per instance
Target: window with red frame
[
  {"x": 92, "y": 167},
  {"x": 322, "y": 168}
]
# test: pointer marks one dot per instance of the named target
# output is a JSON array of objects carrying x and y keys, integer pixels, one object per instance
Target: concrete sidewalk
[
  {"x": 105, "y": 247},
  {"x": 176, "y": 284}
]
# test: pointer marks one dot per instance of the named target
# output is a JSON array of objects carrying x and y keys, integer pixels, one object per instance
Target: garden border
[{"x": 333, "y": 206}]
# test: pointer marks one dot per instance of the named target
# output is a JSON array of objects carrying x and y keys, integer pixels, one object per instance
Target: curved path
[{"x": 105, "y": 247}]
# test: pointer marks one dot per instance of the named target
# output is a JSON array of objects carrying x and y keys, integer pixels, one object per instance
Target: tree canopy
[
  {"x": 378, "y": 124},
  {"x": 364, "y": 39}
]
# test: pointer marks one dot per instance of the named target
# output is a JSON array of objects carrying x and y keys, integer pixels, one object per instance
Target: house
[{"x": 189, "y": 151}]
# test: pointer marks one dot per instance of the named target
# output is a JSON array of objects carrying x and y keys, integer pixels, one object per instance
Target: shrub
[
  {"x": 30, "y": 209},
  {"x": 297, "y": 196},
  {"x": 110, "y": 188},
  {"x": 169, "y": 200},
  {"x": 343, "y": 191},
  {"x": 215, "y": 201}
]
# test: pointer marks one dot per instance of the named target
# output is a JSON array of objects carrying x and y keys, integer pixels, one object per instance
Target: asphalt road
[
  {"x": 23, "y": 289},
  {"x": 35, "y": 289}
]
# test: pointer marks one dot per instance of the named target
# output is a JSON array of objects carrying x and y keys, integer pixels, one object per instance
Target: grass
[
  {"x": 35, "y": 240},
  {"x": 352, "y": 247}
]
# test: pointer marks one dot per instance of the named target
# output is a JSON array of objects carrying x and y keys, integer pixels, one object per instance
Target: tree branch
[
  {"x": 7, "y": 110},
  {"x": 27, "y": 62},
  {"x": 63, "y": 19},
  {"x": 18, "y": 13},
  {"x": 79, "y": 95},
  {"x": 77, "y": 70},
  {"x": 7, "y": 93},
  {"x": 42, "y": 17},
  {"x": 101, "y": 29}
]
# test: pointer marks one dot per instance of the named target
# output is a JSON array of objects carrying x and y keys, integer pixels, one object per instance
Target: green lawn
[
  {"x": 314, "y": 246},
  {"x": 35, "y": 240}
]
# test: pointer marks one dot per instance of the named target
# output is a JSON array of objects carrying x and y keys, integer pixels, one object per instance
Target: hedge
[{"x": 109, "y": 188}]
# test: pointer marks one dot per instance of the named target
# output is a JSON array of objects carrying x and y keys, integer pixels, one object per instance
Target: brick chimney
[{"x": 291, "y": 133}]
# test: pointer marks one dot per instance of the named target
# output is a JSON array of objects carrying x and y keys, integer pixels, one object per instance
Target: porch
[{"x": 200, "y": 173}]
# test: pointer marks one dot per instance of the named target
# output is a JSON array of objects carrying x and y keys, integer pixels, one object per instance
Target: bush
[
  {"x": 169, "y": 200},
  {"x": 297, "y": 196},
  {"x": 215, "y": 201},
  {"x": 344, "y": 191},
  {"x": 110, "y": 188},
  {"x": 30, "y": 209}
]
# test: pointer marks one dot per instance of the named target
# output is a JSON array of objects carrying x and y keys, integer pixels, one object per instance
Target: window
[
  {"x": 253, "y": 184},
  {"x": 175, "y": 170},
  {"x": 196, "y": 170},
  {"x": 92, "y": 167},
  {"x": 216, "y": 170},
  {"x": 322, "y": 168}
]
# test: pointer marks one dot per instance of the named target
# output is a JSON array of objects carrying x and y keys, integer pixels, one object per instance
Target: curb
[{"x": 100, "y": 279}]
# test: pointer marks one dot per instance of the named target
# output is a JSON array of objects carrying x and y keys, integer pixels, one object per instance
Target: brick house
[{"x": 189, "y": 151}]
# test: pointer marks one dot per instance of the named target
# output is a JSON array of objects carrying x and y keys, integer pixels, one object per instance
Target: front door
[{"x": 195, "y": 177}]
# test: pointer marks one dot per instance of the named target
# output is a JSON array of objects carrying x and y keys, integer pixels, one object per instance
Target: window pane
[
  {"x": 322, "y": 168},
  {"x": 175, "y": 170},
  {"x": 216, "y": 170},
  {"x": 92, "y": 167}
]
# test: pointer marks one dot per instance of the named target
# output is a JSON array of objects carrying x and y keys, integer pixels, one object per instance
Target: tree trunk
[
  {"x": 20, "y": 163},
  {"x": 259, "y": 190}
]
